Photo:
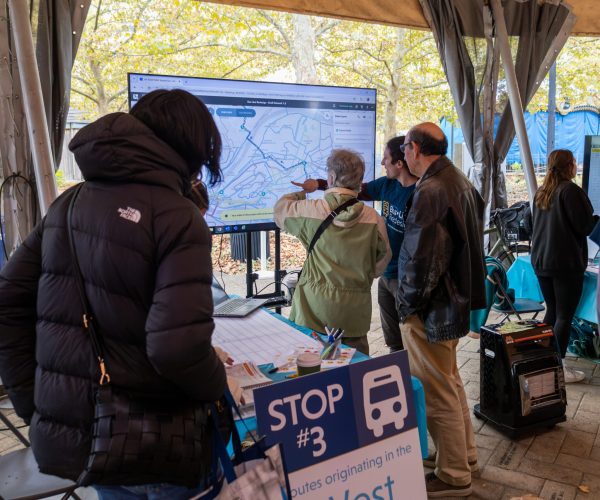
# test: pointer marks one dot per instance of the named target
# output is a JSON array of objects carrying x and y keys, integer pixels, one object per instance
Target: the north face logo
[{"x": 130, "y": 214}]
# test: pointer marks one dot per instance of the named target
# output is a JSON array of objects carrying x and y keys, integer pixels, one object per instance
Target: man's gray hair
[{"x": 345, "y": 169}]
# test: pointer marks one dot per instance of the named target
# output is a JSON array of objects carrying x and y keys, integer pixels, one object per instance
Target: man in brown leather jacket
[{"x": 441, "y": 279}]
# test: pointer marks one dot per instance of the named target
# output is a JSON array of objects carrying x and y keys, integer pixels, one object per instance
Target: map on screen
[{"x": 272, "y": 134}]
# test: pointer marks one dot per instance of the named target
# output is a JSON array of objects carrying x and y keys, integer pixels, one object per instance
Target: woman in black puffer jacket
[{"x": 144, "y": 252}]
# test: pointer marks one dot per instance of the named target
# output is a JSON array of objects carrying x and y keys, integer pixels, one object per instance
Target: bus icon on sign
[{"x": 384, "y": 399}]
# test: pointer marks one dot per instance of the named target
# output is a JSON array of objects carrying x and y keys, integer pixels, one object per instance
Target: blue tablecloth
[
  {"x": 418, "y": 392},
  {"x": 522, "y": 278}
]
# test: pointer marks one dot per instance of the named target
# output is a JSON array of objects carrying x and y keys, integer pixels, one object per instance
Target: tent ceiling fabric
[{"x": 405, "y": 13}]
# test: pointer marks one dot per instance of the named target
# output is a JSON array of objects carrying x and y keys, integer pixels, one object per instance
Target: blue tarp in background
[{"x": 570, "y": 133}]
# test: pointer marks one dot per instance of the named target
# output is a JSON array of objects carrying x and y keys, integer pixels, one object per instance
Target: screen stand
[{"x": 251, "y": 277}]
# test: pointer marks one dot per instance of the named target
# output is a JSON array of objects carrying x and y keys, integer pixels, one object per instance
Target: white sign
[{"x": 349, "y": 433}]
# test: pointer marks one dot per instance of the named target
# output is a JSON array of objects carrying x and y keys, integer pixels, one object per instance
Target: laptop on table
[{"x": 228, "y": 307}]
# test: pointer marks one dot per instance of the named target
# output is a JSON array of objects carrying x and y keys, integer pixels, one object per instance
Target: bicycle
[{"x": 509, "y": 228}]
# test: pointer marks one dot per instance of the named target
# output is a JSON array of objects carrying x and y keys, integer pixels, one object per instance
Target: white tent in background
[{"x": 37, "y": 50}]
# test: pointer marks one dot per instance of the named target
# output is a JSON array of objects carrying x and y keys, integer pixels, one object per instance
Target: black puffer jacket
[
  {"x": 144, "y": 251},
  {"x": 441, "y": 272}
]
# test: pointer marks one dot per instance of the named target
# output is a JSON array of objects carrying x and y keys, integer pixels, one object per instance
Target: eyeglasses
[{"x": 403, "y": 146}]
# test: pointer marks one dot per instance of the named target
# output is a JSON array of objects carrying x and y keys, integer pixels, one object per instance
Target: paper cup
[{"x": 308, "y": 362}]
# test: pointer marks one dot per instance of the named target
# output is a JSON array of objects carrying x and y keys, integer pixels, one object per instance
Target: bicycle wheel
[{"x": 507, "y": 258}]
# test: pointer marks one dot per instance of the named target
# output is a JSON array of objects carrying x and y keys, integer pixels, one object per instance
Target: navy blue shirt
[{"x": 394, "y": 197}]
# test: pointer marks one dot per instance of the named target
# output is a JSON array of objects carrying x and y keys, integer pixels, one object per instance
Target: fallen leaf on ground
[{"x": 584, "y": 488}]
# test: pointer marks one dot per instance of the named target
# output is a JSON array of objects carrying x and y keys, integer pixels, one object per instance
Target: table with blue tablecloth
[
  {"x": 522, "y": 278},
  {"x": 418, "y": 392}
]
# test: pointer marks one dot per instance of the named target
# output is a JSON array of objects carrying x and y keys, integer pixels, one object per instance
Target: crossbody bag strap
[
  {"x": 87, "y": 317},
  {"x": 327, "y": 222}
]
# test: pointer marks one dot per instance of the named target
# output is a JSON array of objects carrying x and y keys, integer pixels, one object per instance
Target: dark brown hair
[{"x": 393, "y": 145}]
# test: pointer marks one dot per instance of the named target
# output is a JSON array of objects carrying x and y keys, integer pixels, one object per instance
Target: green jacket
[{"x": 335, "y": 286}]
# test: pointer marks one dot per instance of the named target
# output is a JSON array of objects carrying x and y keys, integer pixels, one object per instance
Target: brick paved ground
[{"x": 551, "y": 465}]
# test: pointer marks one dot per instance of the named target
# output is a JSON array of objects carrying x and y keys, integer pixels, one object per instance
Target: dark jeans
[
  {"x": 390, "y": 323},
  {"x": 561, "y": 295}
]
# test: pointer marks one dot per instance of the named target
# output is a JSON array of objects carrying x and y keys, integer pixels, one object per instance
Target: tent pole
[
  {"x": 551, "y": 110},
  {"x": 33, "y": 104},
  {"x": 514, "y": 97}
]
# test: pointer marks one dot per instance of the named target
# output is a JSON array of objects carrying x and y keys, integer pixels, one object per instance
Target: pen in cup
[
  {"x": 325, "y": 352},
  {"x": 317, "y": 337},
  {"x": 331, "y": 350}
]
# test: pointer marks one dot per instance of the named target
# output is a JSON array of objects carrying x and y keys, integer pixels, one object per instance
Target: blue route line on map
[{"x": 268, "y": 157}]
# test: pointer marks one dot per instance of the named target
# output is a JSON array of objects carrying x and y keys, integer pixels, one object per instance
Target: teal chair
[{"x": 500, "y": 298}]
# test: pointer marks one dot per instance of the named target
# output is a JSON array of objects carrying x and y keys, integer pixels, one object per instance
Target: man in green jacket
[{"x": 335, "y": 286}]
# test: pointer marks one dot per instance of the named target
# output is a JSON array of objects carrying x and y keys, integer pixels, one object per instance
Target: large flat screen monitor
[
  {"x": 273, "y": 133},
  {"x": 591, "y": 170}
]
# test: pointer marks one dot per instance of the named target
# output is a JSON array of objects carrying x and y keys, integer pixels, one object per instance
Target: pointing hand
[{"x": 309, "y": 185}]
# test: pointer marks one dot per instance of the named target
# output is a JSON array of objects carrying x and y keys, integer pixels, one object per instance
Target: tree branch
[
  {"x": 85, "y": 82},
  {"x": 97, "y": 15},
  {"x": 389, "y": 70},
  {"x": 276, "y": 25},
  {"x": 201, "y": 46},
  {"x": 226, "y": 74},
  {"x": 116, "y": 95},
  {"x": 139, "y": 15},
  {"x": 427, "y": 86},
  {"x": 371, "y": 55},
  {"x": 83, "y": 94},
  {"x": 324, "y": 27},
  {"x": 368, "y": 78},
  {"x": 421, "y": 41}
]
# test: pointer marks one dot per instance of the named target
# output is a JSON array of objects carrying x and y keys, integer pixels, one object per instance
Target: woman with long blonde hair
[{"x": 562, "y": 218}]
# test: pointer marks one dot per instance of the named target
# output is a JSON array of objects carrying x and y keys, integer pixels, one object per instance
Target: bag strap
[
  {"x": 87, "y": 317},
  {"x": 236, "y": 441},
  {"x": 220, "y": 447},
  {"x": 328, "y": 220}
]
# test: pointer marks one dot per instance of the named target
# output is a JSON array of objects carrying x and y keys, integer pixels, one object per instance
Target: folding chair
[
  {"x": 503, "y": 303},
  {"x": 20, "y": 478}
]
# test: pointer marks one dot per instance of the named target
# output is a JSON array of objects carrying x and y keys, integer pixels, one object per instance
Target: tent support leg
[
  {"x": 33, "y": 104},
  {"x": 514, "y": 98}
]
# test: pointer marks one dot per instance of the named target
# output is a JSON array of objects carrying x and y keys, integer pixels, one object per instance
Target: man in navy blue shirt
[{"x": 393, "y": 190}]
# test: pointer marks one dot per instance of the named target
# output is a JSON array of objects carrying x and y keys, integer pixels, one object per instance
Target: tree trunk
[
  {"x": 100, "y": 90},
  {"x": 303, "y": 49},
  {"x": 389, "y": 112},
  {"x": 393, "y": 89}
]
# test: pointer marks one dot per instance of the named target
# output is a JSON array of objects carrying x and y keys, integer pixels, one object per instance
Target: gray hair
[{"x": 345, "y": 169}]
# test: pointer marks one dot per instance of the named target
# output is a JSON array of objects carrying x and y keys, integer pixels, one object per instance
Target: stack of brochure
[{"x": 249, "y": 377}]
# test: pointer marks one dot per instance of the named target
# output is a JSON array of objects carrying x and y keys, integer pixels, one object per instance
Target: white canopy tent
[{"x": 57, "y": 27}]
